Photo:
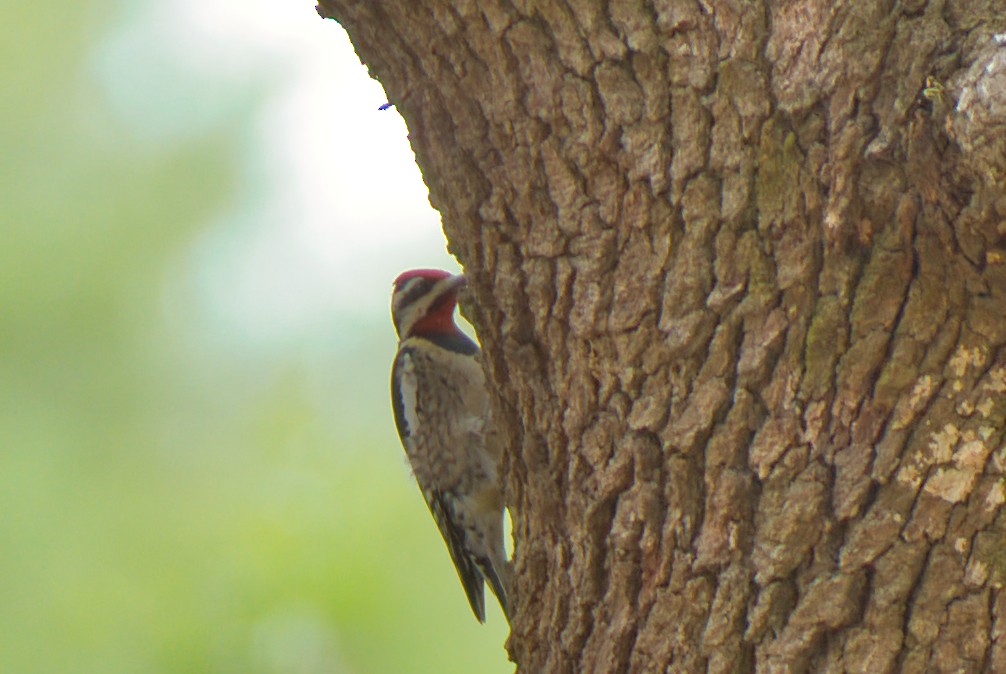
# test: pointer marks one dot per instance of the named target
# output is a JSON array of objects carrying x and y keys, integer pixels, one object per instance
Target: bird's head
[{"x": 423, "y": 302}]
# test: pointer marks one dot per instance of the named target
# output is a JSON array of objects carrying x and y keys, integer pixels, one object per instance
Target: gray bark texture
[{"x": 739, "y": 272}]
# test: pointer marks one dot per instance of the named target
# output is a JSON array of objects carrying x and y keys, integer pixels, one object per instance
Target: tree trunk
[{"x": 739, "y": 272}]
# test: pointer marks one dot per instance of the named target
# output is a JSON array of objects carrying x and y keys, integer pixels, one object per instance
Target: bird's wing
[
  {"x": 468, "y": 570},
  {"x": 404, "y": 404}
]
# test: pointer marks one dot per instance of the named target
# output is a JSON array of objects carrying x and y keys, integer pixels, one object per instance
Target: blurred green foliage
[{"x": 168, "y": 504}]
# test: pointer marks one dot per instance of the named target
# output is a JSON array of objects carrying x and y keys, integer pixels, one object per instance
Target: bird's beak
[{"x": 459, "y": 281}]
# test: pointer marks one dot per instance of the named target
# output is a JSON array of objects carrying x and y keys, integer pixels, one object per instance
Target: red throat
[{"x": 439, "y": 319}]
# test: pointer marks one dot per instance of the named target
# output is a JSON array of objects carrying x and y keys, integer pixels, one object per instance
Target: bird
[{"x": 441, "y": 407}]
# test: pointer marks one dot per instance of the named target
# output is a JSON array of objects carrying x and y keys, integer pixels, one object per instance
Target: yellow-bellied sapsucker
[{"x": 441, "y": 406}]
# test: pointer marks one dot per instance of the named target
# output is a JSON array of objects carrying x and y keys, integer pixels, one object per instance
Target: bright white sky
[{"x": 330, "y": 205}]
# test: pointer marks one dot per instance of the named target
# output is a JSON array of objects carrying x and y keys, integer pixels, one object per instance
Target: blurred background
[{"x": 202, "y": 213}]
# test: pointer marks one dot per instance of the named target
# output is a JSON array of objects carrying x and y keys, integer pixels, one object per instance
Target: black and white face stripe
[
  {"x": 410, "y": 292},
  {"x": 414, "y": 297},
  {"x": 410, "y": 302}
]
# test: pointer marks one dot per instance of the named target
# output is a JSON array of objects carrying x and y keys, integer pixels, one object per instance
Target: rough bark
[{"x": 739, "y": 272}]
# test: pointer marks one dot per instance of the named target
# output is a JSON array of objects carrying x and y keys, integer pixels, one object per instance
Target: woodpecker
[{"x": 441, "y": 407}]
